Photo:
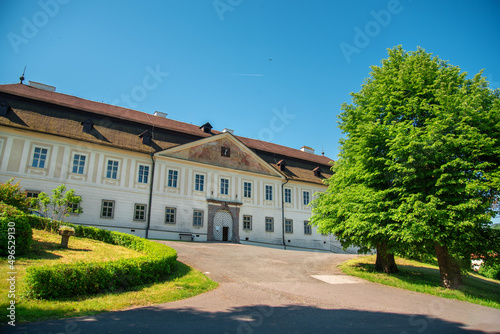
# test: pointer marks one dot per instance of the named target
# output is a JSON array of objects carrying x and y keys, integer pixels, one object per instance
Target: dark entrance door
[{"x": 225, "y": 233}]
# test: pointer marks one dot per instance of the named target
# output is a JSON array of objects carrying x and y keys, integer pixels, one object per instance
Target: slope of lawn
[
  {"x": 184, "y": 282},
  {"x": 422, "y": 277}
]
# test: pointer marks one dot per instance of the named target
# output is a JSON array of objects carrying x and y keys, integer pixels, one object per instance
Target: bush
[
  {"x": 14, "y": 223},
  {"x": 11, "y": 194},
  {"x": 490, "y": 271},
  {"x": 68, "y": 280}
]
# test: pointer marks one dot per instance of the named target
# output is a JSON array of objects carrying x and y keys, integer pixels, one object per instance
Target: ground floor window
[
  {"x": 288, "y": 226},
  {"x": 170, "y": 215},
  {"x": 197, "y": 218},
  {"x": 307, "y": 228},
  {"x": 247, "y": 222},
  {"x": 140, "y": 212},
  {"x": 107, "y": 208},
  {"x": 269, "y": 224}
]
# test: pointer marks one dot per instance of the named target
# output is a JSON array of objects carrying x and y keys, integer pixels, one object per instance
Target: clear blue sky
[{"x": 276, "y": 70}]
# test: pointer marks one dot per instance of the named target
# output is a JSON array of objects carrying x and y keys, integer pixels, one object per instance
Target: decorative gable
[{"x": 222, "y": 150}]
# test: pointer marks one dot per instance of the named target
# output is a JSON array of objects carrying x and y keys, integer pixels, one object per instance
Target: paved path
[{"x": 264, "y": 290}]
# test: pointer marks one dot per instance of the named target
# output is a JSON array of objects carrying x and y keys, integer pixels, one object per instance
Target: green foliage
[
  {"x": 420, "y": 162},
  {"x": 15, "y": 231},
  {"x": 78, "y": 279},
  {"x": 492, "y": 272},
  {"x": 11, "y": 194},
  {"x": 60, "y": 205}
]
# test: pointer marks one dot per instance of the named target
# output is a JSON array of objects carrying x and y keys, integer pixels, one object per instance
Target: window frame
[
  {"x": 110, "y": 169},
  {"x": 79, "y": 166},
  {"x": 170, "y": 214},
  {"x": 304, "y": 201},
  {"x": 222, "y": 187},
  {"x": 172, "y": 178},
  {"x": 200, "y": 218},
  {"x": 307, "y": 228},
  {"x": 38, "y": 160},
  {"x": 269, "y": 221},
  {"x": 268, "y": 195},
  {"x": 144, "y": 211},
  {"x": 140, "y": 178},
  {"x": 247, "y": 191},
  {"x": 107, "y": 207},
  {"x": 288, "y": 226},
  {"x": 199, "y": 182},
  {"x": 287, "y": 196},
  {"x": 247, "y": 225}
]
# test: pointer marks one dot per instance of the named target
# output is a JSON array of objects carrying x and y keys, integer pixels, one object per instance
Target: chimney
[{"x": 307, "y": 149}]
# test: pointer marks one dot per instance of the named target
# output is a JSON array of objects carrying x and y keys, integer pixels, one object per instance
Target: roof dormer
[{"x": 207, "y": 127}]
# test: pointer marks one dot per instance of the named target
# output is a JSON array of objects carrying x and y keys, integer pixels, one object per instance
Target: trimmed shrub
[
  {"x": 69, "y": 280},
  {"x": 15, "y": 231},
  {"x": 11, "y": 194}
]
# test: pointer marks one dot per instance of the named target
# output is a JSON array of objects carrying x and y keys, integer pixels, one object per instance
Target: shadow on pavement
[{"x": 254, "y": 319}]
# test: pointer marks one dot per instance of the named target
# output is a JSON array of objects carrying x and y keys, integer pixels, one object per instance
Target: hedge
[
  {"x": 68, "y": 280},
  {"x": 15, "y": 231}
]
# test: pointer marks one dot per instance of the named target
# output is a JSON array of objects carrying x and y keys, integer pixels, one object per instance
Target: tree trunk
[
  {"x": 385, "y": 260},
  {"x": 449, "y": 268}
]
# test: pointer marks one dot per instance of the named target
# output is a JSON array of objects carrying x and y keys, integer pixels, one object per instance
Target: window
[
  {"x": 247, "y": 222},
  {"x": 197, "y": 218},
  {"x": 306, "y": 197},
  {"x": 199, "y": 182},
  {"x": 140, "y": 212},
  {"x": 169, "y": 215},
  {"x": 307, "y": 227},
  {"x": 39, "y": 157},
  {"x": 112, "y": 169},
  {"x": 73, "y": 208},
  {"x": 224, "y": 186},
  {"x": 78, "y": 163},
  {"x": 269, "y": 193},
  {"x": 288, "y": 195},
  {"x": 288, "y": 226},
  {"x": 172, "y": 178},
  {"x": 225, "y": 151},
  {"x": 107, "y": 208},
  {"x": 143, "y": 174},
  {"x": 32, "y": 193},
  {"x": 247, "y": 190},
  {"x": 269, "y": 224}
]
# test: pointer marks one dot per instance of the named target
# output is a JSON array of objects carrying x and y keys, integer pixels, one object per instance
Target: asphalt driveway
[{"x": 265, "y": 290}]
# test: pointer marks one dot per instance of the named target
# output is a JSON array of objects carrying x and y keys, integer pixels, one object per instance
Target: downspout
[
  {"x": 150, "y": 193},
  {"x": 283, "y": 212}
]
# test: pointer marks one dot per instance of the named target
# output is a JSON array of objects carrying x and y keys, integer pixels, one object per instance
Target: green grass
[
  {"x": 424, "y": 278},
  {"x": 184, "y": 282}
]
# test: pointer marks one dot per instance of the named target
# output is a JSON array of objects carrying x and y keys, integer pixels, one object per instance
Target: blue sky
[{"x": 276, "y": 70}]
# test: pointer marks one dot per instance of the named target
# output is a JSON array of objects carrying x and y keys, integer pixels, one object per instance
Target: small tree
[
  {"x": 60, "y": 205},
  {"x": 11, "y": 194}
]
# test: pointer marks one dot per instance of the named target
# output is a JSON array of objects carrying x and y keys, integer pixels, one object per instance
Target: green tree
[
  {"x": 419, "y": 168},
  {"x": 11, "y": 194},
  {"x": 60, "y": 205}
]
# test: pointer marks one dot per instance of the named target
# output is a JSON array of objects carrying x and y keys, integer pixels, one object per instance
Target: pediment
[{"x": 223, "y": 150}]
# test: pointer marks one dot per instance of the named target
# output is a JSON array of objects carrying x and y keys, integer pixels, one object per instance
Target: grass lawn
[
  {"x": 421, "y": 277},
  {"x": 184, "y": 282}
]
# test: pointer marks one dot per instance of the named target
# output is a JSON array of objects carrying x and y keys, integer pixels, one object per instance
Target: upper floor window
[
  {"x": 306, "y": 197},
  {"x": 143, "y": 174},
  {"x": 247, "y": 189},
  {"x": 269, "y": 193},
  {"x": 199, "y": 182},
  {"x": 288, "y": 195},
  {"x": 112, "y": 169},
  {"x": 78, "y": 163},
  {"x": 39, "y": 157},
  {"x": 172, "y": 178},
  {"x": 224, "y": 186}
]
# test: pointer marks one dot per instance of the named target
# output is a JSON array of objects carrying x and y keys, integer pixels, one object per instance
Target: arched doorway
[{"x": 223, "y": 226}]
